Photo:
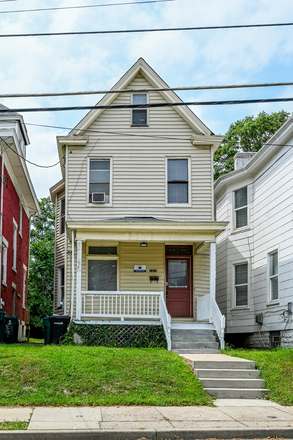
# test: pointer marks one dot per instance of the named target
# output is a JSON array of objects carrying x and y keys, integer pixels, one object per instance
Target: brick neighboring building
[{"x": 18, "y": 202}]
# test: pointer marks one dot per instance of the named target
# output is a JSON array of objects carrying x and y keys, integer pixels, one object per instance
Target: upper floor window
[
  {"x": 14, "y": 247},
  {"x": 273, "y": 276},
  {"x": 177, "y": 171},
  {"x": 4, "y": 260},
  {"x": 99, "y": 181},
  {"x": 241, "y": 284},
  {"x": 62, "y": 216},
  {"x": 241, "y": 208},
  {"x": 20, "y": 220},
  {"x": 139, "y": 115}
]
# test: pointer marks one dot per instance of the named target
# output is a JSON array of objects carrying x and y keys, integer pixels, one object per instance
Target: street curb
[{"x": 149, "y": 434}]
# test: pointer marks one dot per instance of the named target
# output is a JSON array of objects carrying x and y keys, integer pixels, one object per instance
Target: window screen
[
  {"x": 100, "y": 178},
  {"x": 177, "y": 180},
  {"x": 241, "y": 207},
  {"x": 102, "y": 275},
  {"x": 241, "y": 284},
  {"x": 177, "y": 273},
  {"x": 102, "y": 250},
  {"x": 139, "y": 115},
  {"x": 273, "y": 262}
]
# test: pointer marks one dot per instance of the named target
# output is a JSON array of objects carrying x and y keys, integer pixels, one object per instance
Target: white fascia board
[
  {"x": 56, "y": 189},
  {"x": 192, "y": 120},
  {"x": 259, "y": 160},
  {"x": 69, "y": 141},
  {"x": 213, "y": 141},
  {"x": 30, "y": 198}
]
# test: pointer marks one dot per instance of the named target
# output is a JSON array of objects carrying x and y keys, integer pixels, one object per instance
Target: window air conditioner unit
[{"x": 98, "y": 197}]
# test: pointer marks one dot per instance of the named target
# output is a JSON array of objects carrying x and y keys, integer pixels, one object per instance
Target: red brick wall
[{"x": 11, "y": 210}]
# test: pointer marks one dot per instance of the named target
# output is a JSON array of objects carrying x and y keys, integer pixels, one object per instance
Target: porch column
[
  {"x": 78, "y": 278},
  {"x": 212, "y": 276}
]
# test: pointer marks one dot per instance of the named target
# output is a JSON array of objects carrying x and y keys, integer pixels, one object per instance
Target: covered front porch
[{"x": 143, "y": 272}]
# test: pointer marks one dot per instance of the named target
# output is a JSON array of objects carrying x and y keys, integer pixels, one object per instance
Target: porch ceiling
[{"x": 147, "y": 231}]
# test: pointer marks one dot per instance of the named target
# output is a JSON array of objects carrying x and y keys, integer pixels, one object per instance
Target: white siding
[
  {"x": 59, "y": 250},
  {"x": 270, "y": 195}
]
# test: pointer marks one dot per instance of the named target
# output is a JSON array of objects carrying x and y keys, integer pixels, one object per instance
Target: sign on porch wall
[{"x": 137, "y": 268}]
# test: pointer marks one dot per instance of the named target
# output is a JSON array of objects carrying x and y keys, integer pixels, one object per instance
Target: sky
[{"x": 182, "y": 58}]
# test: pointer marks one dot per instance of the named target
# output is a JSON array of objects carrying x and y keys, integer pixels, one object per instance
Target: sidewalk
[{"x": 229, "y": 419}]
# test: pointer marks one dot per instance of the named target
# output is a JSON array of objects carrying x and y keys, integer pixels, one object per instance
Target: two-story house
[
  {"x": 18, "y": 202},
  {"x": 254, "y": 253},
  {"x": 135, "y": 227}
]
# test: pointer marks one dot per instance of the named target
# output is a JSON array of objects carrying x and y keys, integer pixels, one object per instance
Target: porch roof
[{"x": 146, "y": 229}]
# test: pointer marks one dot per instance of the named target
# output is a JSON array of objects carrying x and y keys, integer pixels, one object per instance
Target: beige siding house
[{"x": 137, "y": 190}]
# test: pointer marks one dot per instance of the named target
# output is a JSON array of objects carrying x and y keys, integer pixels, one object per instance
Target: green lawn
[
  {"x": 276, "y": 368},
  {"x": 61, "y": 375},
  {"x": 13, "y": 426}
]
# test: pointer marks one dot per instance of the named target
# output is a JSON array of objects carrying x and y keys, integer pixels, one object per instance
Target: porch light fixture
[{"x": 143, "y": 244}]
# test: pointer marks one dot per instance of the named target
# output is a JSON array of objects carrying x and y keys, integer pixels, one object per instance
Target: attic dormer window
[{"x": 139, "y": 115}]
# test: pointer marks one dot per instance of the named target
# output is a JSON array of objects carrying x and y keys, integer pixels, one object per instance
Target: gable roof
[{"x": 141, "y": 66}]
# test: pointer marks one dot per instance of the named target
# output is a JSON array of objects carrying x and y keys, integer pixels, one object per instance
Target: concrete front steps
[
  {"x": 193, "y": 337},
  {"x": 226, "y": 377}
]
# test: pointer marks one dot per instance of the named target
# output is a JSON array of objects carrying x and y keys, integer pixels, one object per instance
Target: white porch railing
[
  {"x": 131, "y": 305},
  {"x": 207, "y": 308}
]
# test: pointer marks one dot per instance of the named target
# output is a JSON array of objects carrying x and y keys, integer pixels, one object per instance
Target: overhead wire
[
  {"x": 154, "y": 89},
  {"x": 143, "y": 106},
  {"x": 85, "y": 6},
  {"x": 132, "y": 31},
  {"x": 24, "y": 158}
]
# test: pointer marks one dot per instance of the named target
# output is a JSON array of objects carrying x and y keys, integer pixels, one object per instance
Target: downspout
[
  {"x": 72, "y": 273},
  {"x": 1, "y": 224}
]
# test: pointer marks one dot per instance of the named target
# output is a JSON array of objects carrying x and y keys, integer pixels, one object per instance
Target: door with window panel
[{"x": 179, "y": 285}]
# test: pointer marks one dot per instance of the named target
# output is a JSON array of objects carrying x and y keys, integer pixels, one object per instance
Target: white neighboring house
[{"x": 254, "y": 286}]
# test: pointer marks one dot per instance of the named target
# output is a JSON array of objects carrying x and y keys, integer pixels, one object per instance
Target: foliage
[
  {"x": 248, "y": 134},
  {"x": 13, "y": 426},
  {"x": 38, "y": 375},
  {"x": 143, "y": 336},
  {"x": 276, "y": 368},
  {"x": 41, "y": 274}
]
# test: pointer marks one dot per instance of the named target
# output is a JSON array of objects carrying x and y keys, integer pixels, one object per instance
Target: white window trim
[
  {"x": 4, "y": 260},
  {"x": 100, "y": 205},
  {"x": 244, "y": 307},
  {"x": 271, "y": 301},
  {"x": 59, "y": 287},
  {"x": 24, "y": 286},
  {"x": 14, "y": 247},
  {"x": 245, "y": 206},
  {"x": 20, "y": 219},
  {"x": 178, "y": 205},
  {"x": 147, "y": 110},
  {"x": 103, "y": 257}
]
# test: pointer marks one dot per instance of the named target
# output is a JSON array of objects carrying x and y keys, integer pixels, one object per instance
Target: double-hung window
[
  {"x": 241, "y": 285},
  {"x": 24, "y": 285},
  {"x": 15, "y": 227},
  {"x": 273, "y": 276},
  {"x": 102, "y": 268},
  {"x": 241, "y": 208},
  {"x": 99, "y": 181},
  {"x": 139, "y": 115},
  {"x": 61, "y": 281},
  {"x": 4, "y": 261},
  {"x": 177, "y": 185}
]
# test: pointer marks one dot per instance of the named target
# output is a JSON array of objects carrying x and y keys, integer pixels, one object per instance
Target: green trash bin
[
  {"x": 47, "y": 330},
  {"x": 2, "y": 314},
  {"x": 10, "y": 329},
  {"x": 59, "y": 324}
]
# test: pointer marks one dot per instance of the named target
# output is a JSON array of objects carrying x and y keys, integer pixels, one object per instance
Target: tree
[
  {"x": 41, "y": 272},
  {"x": 248, "y": 134}
]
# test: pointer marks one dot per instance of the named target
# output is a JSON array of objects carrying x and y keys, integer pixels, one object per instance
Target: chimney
[{"x": 242, "y": 159}]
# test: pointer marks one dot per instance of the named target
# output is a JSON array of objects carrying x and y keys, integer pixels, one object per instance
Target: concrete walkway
[{"x": 229, "y": 419}]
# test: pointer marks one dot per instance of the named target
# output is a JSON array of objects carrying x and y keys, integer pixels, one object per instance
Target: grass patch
[
  {"x": 276, "y": 368},
  {"x": 37, "y": 375},
  {"x": 13, "y": 426}
]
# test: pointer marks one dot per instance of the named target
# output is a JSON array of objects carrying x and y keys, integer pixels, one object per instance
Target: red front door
[{"x": 179, "y": 285}]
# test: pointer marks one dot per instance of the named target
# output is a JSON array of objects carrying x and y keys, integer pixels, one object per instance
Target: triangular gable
[{"x": 156, "y": 81}]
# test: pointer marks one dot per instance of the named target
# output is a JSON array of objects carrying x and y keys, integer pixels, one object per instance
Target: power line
[
  {"x": 131, "y": 31},
  {"x": 133, "y": 134},
  {"x": 32, "y": 163},
  {"x": 154, "y": 89},
  {"x": 85, "y": 6},
  {"x": 132, "y": 106}
]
